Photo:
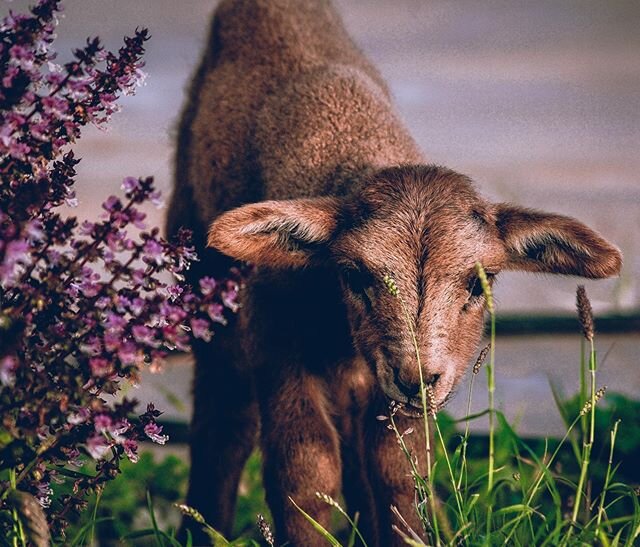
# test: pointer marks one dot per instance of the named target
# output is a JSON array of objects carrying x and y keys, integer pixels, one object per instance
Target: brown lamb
[{"x": 290, "y": 144}]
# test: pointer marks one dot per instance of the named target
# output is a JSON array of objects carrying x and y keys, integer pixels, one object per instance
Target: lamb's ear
[
  {"x": 286, "y": 233},
  {"x": 543, "y": 242}
]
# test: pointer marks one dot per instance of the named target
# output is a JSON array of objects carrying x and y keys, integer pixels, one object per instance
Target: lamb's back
[{"x": 283, "y": 105}]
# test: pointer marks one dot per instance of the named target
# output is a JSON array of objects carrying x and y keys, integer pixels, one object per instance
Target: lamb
[{"x": 291, "y": 157}]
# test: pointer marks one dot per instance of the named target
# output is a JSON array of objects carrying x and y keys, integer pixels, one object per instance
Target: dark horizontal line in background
[
  {"x": 179, "y": 433},
  {"x": 526, "y": 325},
  {"x": 506, "y": 325}
]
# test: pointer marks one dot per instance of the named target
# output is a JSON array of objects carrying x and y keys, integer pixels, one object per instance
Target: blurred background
[{"x": 539, "y": 102}]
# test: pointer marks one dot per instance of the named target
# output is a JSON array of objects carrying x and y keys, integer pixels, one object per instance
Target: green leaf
[
  {"x": 321, "y": 529},
  {"x": 218, "y": 540}
]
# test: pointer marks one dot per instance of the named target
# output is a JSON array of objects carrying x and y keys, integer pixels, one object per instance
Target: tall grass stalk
[
  {"x": 94, "y": 516},
  {"x": 465, "y": 438},
  {"x": 491, "y": 387},
  {"x": 394, "y": 291},
  {"x": 19, "y": 538},
  {"x": 423, "y": 485},
  {"x": 584, "y": 392},
  {"x": 588, "y": 441},
  {"x": 457, "y": 494},
  {"x": 352, "y": 522},
  {"x": 607, "y": 479},
  {"x": 491, "y": 381},
  {"x": 544, "y": 472}
]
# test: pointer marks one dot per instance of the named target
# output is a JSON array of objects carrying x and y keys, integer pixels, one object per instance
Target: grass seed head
[
  {"x": 486, "y": 286},
  {"x": 265, "y": 530},
  {"x": 480, "y": 360},
  {"x": 190, "y": 512},
  {"x": 585, "y": 313},
  {"x": 432, "y": 407},
  {"x": 391, "y": 285},
  {"x": 587, "y": 406}
]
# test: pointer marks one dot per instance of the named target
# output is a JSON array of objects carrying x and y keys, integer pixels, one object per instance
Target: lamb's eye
[
  {"x": 474, "y": 286},
  {"x": 358, "y": 281}
]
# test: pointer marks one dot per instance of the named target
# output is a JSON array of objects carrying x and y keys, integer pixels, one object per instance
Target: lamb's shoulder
[{"x": 313, "y": 132}]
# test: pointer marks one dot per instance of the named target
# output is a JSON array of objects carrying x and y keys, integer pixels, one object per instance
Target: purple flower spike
[{"x": 83, "y": 306}]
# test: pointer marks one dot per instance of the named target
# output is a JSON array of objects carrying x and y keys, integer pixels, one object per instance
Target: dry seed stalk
[
  {"x": 486, "y": 286},
  {"x": 585, "y": 313},
  {"x": 481, "y": 358},
  {"x": 265, "y": 530},
  {"x": 391, "y": 285},
  {"x": 328, "y": 500},
  {"x": 587, "y": 406},
  {"x": 431, "y": 400},
  {"x": 190, "y": 512}
]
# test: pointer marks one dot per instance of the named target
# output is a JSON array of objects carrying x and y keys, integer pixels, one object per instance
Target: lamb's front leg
[
  {"x": 390, "y": 471},
  {"x": 301, "y": 455}
]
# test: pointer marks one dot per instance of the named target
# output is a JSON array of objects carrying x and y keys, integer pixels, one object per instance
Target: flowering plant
[{"x": 82, "y": 305}]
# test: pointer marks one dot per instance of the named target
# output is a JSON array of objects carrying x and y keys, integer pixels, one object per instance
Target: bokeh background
[{"x": 538, "y": 101}]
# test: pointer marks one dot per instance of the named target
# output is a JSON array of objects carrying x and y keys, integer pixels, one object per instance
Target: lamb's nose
[{"x": 411, "y": 388}]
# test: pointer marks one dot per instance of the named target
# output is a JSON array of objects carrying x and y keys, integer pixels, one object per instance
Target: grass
[
  {"x": 520, "y": 495},
  {"x": 498, "y": 489}
]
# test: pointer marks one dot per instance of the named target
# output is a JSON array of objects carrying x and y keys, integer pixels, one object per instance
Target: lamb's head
[{"x": 424, "y": 227}]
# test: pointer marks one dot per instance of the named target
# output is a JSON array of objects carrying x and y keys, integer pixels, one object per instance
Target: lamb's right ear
[
  {"x": 545, "y": 242},
  {"x": 285, "y": 233}
]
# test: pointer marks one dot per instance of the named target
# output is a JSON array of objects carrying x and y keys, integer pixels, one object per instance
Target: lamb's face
[
  {"x": 425, "y": 228},
  {"x": 423, "y": 232}
]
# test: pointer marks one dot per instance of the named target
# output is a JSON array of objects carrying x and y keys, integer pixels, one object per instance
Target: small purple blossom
[
  {"x": 153, "y": 252},
  {"x": 44, "y": 493},
  {"x": 131, "y": 450},
  {"x": 100, "y": 367},
  {"x": 112, "y": 204},
  {"x": 153, "y": 431},
  {"x": 130, "y": 185},
  {"x": 230, "y": 299},
  {"x": 200, "y": 328},
  {"x": 8, "y": 366},
  {"x": 81, "y": 416},
  {"x": 16, "y": 255},
  {"x": 144, "y": 335},
  {"x": 102, "y": 422},
  {"x": 207, "y": 285},
  {"x": 121, "y": 427},
  {"x": 97, "y": 447}
]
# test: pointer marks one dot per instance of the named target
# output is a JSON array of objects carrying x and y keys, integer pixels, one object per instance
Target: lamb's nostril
[
  {"x": 432, "y": 380},
  {"x": 412, "y": 388},
  {"x": 408, "y": 389}
]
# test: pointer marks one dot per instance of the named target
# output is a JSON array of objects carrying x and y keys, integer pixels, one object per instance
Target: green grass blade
[{"x": 321, "y": 529}]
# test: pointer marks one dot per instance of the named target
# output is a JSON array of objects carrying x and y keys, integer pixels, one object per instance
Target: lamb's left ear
[
  {"x": 543, "y": 242},
  {"x": 288, "y": 233}
]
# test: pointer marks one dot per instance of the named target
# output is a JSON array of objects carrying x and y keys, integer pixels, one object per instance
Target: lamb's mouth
[
  {"x": 412, "y": 408},
  {"x": 406, "y": 409},
  {"x": 410, "y": 411}
]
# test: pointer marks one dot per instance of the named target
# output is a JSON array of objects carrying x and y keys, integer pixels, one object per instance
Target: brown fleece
[{"x": 290, "y": 145}]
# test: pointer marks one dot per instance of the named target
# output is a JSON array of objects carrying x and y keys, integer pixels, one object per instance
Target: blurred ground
[{"x": 538, "y": 101}]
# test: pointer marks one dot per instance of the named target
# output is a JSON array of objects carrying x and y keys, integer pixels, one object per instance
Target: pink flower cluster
[{"x": 83, "y": 306}]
